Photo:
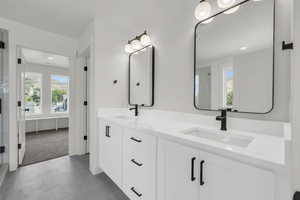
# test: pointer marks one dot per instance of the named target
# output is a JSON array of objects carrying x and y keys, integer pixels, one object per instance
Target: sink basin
[
  {"x": 124, "y": 117},
  {"x": 222, "y": 137}
]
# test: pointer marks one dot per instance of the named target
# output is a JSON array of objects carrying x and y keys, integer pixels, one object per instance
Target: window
[
  {"x": 60, "y": 93},
  {"x": 32, "y": 92},
  {"x": 228, "y": 87}
]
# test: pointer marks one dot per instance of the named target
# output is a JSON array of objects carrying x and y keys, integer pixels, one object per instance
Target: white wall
[
  {"x": 295, "y": 108},
  {"x": 170, "y": 23},
  {"x": 23, "y": 35}
]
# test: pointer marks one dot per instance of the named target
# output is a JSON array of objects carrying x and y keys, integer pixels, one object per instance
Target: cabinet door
[
  {"x": 179, "y": 172},
  {"x": 231, "y": 180},
  {"x": 110, "y": 150}
]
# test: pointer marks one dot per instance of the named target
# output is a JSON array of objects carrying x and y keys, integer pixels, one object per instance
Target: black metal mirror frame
[
  {"x": 153, "y": 74},
  {"x": 273, "y": 61}
]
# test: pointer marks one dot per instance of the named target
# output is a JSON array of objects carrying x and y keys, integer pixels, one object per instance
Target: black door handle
[
  {"x": 136, "y": 140},
  {"x": 201, "y": 172},
  {"x": 107, "y": 131},
  {"x": 193, "y": 178},
  {"x": 135, "y": 192},
  {"x": 137, "y": 163}
]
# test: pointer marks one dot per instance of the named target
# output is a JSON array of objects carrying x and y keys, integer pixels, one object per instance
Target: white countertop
[{"x": 264, "y": 151}]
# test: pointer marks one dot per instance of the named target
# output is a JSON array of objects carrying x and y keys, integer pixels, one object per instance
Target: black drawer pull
[
  {"x": 107, "y": 131},
  {"x": 193, "y": 178},
  {"x": 135, "y": 192},
  {"x": 136, "y": 140},
  {"x": 201, "y": 172},
  {"x": 137, "y": 163}
]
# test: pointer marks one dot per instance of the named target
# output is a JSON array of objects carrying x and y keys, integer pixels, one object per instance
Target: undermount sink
[
  {"x": 124, "y": 117},
  {"x": 222, "y": 137}
]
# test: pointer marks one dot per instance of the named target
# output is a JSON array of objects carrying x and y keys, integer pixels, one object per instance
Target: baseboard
[
  {"x": 95, "y": 171},
  {"x": 297, "y": 196}
]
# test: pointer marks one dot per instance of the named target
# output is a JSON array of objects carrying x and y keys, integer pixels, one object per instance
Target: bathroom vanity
[{"x": 173, "y": 156}]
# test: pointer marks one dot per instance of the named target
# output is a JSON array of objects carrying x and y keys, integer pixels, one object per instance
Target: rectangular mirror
[
  {"x": 234, "y": 59},
  {"x": 141, "y": 77}
]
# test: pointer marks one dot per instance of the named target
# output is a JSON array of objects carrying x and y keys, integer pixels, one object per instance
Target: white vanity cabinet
[
  {"x": 188, "y": 173},
  {"x": 110, "y": 150},
  {"x": 139, "y": 165},
  {"x": 177, "y": 172},
  {"x": 148, "y": 165}
]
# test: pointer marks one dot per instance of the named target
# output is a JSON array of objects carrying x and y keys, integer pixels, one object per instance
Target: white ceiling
[
  {"x": 65, "y": 17},
  {"x": 44, "y": 58}
]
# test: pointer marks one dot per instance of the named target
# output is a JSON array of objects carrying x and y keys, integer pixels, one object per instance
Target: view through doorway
[{"x": 43, "y": 87}]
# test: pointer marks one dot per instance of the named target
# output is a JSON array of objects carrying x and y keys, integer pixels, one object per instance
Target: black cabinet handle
[
  {"x": 136, "y": 140},
  {"x": 135, "y": 192},
  {"x": 137, "y": 163},
  {"x": 107, "y": 131},
  {"x": 193, "y": 178},
  {"x": 201, "y": 172}
]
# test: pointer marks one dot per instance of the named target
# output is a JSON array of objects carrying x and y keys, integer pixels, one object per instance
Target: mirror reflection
[
  {"x": 141, "y": 77},
  {"x": 234, "y": 59}
]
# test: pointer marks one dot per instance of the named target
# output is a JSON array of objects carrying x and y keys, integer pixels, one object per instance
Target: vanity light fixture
[
  {"x": 225, "y": 3},
  {"x": 128, "y": 48},
  {"x": 243, "y": 48},
  {"x": 137, "y": 43},
  {"x": 208, "y": 21},
  {"x": 232, "y": 10},
  {"x": 203, "y": 10},
  {"x": 145, "y": 40}
]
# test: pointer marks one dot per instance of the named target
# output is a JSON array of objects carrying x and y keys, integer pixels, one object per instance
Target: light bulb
[
  {"x": 232, "y": 10},
  {"x": 225, "y": 3},
  {"x": 128, "y": 48},
  {"x": 145, "y": 40},
  {"x": 203, "y": 10},
  {"x": 208, "y": 21},
  {"x": 136, "y": 44}
]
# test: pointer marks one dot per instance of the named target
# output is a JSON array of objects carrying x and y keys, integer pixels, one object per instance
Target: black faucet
[
  {"x": 223, "y": 119},
  {"x": 136, "y": 109}
]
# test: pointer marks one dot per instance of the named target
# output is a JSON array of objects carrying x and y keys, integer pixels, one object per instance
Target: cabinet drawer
[
  {"x": 139, "y": 181},
  {"x": 139, "y": 145},
  {"x": 139, "y": 165}
]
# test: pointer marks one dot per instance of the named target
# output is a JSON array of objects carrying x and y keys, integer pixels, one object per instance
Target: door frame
[{"x": 72, "y": 108}]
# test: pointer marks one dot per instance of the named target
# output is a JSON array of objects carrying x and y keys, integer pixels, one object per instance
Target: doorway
[{"x": 43, "y": 89}]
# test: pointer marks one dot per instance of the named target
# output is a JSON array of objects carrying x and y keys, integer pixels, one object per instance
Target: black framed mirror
[
  {"x": 234, "y": 58},
  {"x": 141, "y": 77}
]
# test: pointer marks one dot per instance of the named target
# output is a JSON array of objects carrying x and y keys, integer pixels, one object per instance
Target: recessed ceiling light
[
  {"x": 243, "y": 48},
  {"x": 50, "y": 58}
]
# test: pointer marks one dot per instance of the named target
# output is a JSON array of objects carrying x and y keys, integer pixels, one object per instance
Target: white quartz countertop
[{"x": 264, "y": 151}]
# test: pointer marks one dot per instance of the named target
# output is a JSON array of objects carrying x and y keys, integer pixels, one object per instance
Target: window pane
[
  {"x": 60, "y": 93},
  {"x": 32, "y": 88},
  {"x": 228, "y": 73}
]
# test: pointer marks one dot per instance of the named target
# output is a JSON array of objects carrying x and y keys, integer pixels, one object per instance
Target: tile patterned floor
[{"x": 65, "y": 178}]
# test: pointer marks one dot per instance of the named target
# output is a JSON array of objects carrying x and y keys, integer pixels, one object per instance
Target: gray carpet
[{"x": 45, "y": 145}]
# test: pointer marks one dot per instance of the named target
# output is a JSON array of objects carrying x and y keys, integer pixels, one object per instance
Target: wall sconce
[
  {"x": 204, "y": 9},
  {"x": 138, "y": 43}
]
